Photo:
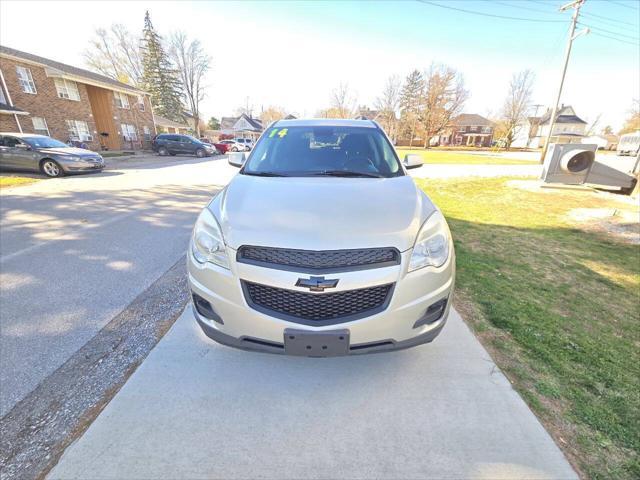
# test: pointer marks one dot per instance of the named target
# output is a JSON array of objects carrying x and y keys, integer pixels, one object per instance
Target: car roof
[
  {"x": 23, "y": 135},
  {"x": 326, "y": 122}
]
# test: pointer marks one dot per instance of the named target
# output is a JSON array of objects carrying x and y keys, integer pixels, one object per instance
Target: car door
[
  {"x": 16, "y": 154},
  {"x": 183, "y": 144}
]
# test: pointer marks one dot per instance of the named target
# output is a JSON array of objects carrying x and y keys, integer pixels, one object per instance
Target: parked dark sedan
[
  {"x": 174, "y": 144},
  {"x": 39, "y": 153}
]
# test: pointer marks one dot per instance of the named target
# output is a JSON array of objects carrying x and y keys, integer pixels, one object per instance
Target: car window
[
  {"x": 45, "y": 142},
  {"x": 173, "y": 138},
  {"x": 11, "y": 142},
  {"x": 324, "y": 150}
]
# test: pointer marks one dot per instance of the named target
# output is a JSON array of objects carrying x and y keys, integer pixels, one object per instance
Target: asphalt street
[
  {"x": 75, "y": 251},
  {"x": 196, "y": 409}
]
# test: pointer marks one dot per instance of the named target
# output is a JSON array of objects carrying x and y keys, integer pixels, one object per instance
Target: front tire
[
  {"x": 200, "y": 153},
  {"x": 51, "y": 169}
]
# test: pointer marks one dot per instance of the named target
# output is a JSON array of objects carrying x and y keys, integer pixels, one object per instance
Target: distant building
[
  {"x": 467, "y": 129},
  {"x": 242, "y": 126},
  {"x": 365, "y": 113},
  {"x": 568, "y": 128},
  {"x": 164, "y": 125},
  {"x": 604, "y": 142},
  {"x": 39, "y": 95}
]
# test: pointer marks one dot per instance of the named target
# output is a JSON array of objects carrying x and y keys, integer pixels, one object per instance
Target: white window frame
[
  {"x": 129, "y": 132},
  {"x": 2, "y": 97},
  {"x": 67, "y": 89},
  {"x": 79, "y": 130},
  {"x": 122, "y": 100},
  {"x": 25, "y": 79},
  {"x": 141, "y": 105},
  {"x": 44, "y": 122}
]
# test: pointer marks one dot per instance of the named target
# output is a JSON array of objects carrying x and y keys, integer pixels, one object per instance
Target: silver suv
[{"x": 322, "y": 245}]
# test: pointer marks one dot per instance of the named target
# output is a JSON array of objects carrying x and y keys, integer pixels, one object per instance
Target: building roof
[
  {"x": 68, "y": 69},
  {"x": 255, "y": 123},
  {"x": 326, "y": 122},
  {"x": 566, "y": 114},
  {"x": 165, "y": 122},
  {"x": 471, "y": 120},
  {"x": 290, "y": 117},
  {"x": 6, "y": 108},
  {"x": 227, "y": 123},
  {"x": 365, "y": 113}
]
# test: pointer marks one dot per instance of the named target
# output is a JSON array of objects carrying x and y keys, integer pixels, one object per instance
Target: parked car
[
  {"x": 247, "y": 142},
  {"x": 39, "y": 153},
  {"x": 234, "y": 146},
  {"x": 629, "y": 143},
  {"x": 174, "y": 144},
  {"x": 322, "y": 245}
]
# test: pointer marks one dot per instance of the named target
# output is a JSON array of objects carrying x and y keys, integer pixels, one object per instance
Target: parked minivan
[
  {"x": 175, "y": 144},
  {"x": 321, "y": 245}
]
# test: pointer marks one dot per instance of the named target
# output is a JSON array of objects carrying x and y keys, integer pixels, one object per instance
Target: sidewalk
[{"x": 195, "y": 409}]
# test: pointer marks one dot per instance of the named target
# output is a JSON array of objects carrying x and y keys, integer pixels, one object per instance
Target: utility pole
[{"x": 576, "y": 4}]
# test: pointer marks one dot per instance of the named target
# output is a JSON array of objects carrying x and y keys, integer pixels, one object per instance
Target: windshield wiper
[
  {"x": 265, "y": 174},
  {"x": 345, "y": 173}
]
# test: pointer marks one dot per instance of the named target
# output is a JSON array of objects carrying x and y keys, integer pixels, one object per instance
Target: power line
[
  {"x": 610, "y": 20},
  {"x": 504, "y": 17},
  {"x": 614, "y": 38},
  {"x": 539, "y": 10},
  {"x": 622, "y": 5},
  {"x": 599, "y": 29}
]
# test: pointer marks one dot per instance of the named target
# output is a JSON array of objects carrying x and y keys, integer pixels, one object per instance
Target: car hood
[
  {"x": 321, "y": 213},
  {"x": 80, "y": 152}
]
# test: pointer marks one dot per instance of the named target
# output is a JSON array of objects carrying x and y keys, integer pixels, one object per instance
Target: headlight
[
  {"x": 432, "y": 244},
  {"x": 207, "y": 243},
  {"x": 74, "y": 158}
]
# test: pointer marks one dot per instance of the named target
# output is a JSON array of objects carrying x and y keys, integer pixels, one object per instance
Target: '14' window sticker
[{"x": 281, "y": 133}]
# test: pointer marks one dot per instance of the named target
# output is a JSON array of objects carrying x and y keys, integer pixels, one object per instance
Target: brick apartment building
[
  {"x": 38, "y": 95},
  {"x": 468, "y": 129}
]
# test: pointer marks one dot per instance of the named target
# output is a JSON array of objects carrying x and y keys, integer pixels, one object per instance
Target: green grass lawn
[
  {"x": 9, "y": 181},
  {"x": 463, "y": 158},
  {"x": 558, "y": 307}
]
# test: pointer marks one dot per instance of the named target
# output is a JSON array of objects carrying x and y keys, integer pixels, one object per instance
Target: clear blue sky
[{"x": 292, "y": 54}]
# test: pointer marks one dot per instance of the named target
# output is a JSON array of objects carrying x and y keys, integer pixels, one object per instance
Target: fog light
[
  {"x": 433, "y": 313},
  {"x": 205, "y": 309}
]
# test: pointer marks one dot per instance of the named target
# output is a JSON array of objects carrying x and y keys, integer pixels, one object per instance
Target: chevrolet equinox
[{"x": 322, "y": 245}]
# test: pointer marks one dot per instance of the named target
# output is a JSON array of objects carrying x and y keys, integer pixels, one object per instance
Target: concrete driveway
[{"x": 195, "y": 409}]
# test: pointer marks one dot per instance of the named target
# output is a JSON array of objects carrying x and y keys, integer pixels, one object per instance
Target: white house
[{"x": 568, "y": 128}]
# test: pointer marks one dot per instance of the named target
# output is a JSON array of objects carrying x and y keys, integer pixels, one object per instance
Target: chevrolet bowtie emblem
[{"x": 316, "y": 284}]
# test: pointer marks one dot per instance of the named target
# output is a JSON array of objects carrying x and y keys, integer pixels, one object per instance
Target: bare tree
[
  {"x": 115, "y": 53},
  {"x": 592, "y": 129},
  {"x": 516, "y": 105},
  {"x": 343, "y": 101},
  {"x": 271, "y": 114},
  {"x": 632, "y": 122},
  {"x": 388, "y": 104},
  {"x": 192, "y": 64},
  {"x": 444, "y": 97},
  {"x": 411, "y": 97}
]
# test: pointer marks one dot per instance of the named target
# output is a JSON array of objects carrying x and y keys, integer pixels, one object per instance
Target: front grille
[
  {"x": 324, "y": 260},
  {"x": 317, "y": 309}
]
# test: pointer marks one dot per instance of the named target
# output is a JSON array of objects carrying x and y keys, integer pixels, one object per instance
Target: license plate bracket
[{"x": 329, "y": 343}]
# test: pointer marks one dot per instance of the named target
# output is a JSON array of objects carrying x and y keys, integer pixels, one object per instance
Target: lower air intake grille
[{"x": 317, "y": 309}]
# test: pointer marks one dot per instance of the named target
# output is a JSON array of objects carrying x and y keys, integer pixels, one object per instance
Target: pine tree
[
  {"x": 411, "y": 98},
  {"x": 159, "y": 78}
]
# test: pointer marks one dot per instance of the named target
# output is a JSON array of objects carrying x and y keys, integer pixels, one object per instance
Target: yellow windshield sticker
[
  {"x": 282, "y": 132},
  {"x": 273, "y": 132}
]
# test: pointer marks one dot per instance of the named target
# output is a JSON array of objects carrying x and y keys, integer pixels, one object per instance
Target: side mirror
[
  {"x": 237, "y": 159},
  {"x": 411, "y": 160}
]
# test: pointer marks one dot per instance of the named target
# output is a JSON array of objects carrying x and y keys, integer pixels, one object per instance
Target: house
[
  {"x": 568, "y": 128},
  {"x": 242, "y": 126},
  {"x": 468, "y": 129},
  {"x": 39, "y": 95},
  {"x": 164, "y": 125},
  {"x": 603, "y": 141},
  {"x": 365, "y": 113}
]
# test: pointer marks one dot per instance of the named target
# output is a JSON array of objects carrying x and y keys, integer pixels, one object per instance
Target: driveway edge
[{"x": 37, "y": 430}]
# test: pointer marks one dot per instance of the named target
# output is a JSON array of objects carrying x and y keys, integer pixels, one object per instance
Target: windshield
[
  {"x": 323, "y": 150},
  {"x": 44, "y": 142}
]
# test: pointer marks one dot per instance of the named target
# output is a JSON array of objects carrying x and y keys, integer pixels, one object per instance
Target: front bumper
[
  {"x": 71, "y": 166},
  {"x": 238, "y": 325}
]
